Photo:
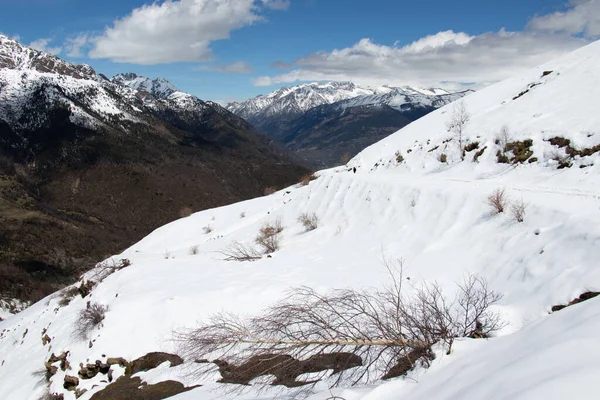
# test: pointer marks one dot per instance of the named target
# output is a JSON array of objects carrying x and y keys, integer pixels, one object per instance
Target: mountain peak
[{"x": 160, "y": 87}]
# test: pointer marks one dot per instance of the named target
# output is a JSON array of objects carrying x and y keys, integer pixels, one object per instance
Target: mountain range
[
  {"x": 324, "y": 122},
  {"x": 89, "y": 165}
]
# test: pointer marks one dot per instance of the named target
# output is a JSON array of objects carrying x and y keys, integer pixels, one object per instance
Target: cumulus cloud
[
  {"x": 582, "y": 17},
  {"x": 177, "y": 30},
  {"x": 451, "y": 59},
  {"x": 43, "y": 45},
  {"x": 238, "y": 67},
  {"x": 74, "y": 45},
  {"x": 448, "y": 59}
]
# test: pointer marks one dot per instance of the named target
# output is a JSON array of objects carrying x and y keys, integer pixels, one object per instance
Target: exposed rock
[
  {"x": 71, "y": 382},
  {"x": 150, "y": 361},
  {"x": 583, "y": 297},
  {"x": 130, "y": 388},
  {"x": 116, "y": 360}
]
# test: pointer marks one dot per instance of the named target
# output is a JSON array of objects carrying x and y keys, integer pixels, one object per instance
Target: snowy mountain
[
  {"x": 80, "y": 156},
  {"x": 415, "y": 196},
  {"x": 299, "y": 99},
  {"x": 322, "y": 122},
  {"x": 159, "y": 87}
]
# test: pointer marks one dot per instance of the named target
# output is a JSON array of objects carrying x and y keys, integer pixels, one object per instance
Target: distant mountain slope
[
  {"x": 318, "y": 120},
  {"x": 415, "y": 200},
  {"x": 88, "y": 166}
]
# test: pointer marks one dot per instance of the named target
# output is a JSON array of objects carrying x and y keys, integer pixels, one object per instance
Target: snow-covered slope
[
  {"x": 159, "y": 87},
  {"x": 432, "y": 214}
]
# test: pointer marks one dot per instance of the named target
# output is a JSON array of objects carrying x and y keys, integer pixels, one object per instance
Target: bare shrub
[
  {"x": 498, "y": 200},
  {"x": 108, "y": 267},
  {"x": 443, "y": 158},
  {"x": 185, "y": 212},
  {"x": 236, "y": 251},
  {"x": 310, "y": 221},
  {"x": 269, "y": 190},
  {"x": 399, "y": 157},
  {"x": 268, "y": 236},
  {"x": 194, "y": 250},
  {"x": 243, "y": 214},
  {"x": 457, "y": 123},
  {"x": 89, "y": 318},
  {"x": 207, "y": 229},
  {"x": 167, "y": 254},
  {"x": 517, "y": 210},
  {"x": 380, "y": 333},
  {"x": 68, "y": 294},
  {"x": 306, "y": 179}
]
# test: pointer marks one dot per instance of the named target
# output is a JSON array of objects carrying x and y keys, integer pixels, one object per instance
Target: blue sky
[{"x": 234, "y": 49}]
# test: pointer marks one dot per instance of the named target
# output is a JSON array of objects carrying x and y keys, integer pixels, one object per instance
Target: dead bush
[
  {"x": 498, "y": 200},
  {"x": 382, "y": 333},
  {"x": 268, "y": 236},
  {"x": 443, "y": 158},
  {"x": 89, "y": 318},
  {"x": 310, "y": 221},
  {"x": 108, "y": 267},
  {"x": 236, "y": 251},
  {"x": 207, "y": 229},
  {"x": 269, "y": 190},
  {"x": 194, "y": 250},
  {"x": 517, "y": 210},
  {"x": 399, "y": 157},
  {"x": 306, "y": 179},
  {"x": 68, "y": 294}
]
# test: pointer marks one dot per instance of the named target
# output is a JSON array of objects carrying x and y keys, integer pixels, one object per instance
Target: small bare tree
[
  {"x": 89, "y": 318},
  {"x": 268, "y": 236},
  {"x": 237, "y": 251},
  {"x": 457, "y": 123},
  {"x": 207, "y": 229},
  {"x": 517, "y": 209},
  {"x": 310, "y": 221},
  {"x": 498, "y": 200},
  {"x": 360, "y": 335}
]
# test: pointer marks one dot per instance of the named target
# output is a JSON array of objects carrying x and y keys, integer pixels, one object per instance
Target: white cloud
[
  {"x": 451, "y": 59},
  {"x": 74, "y": 45},
  {"x": 277, "y": 4},
  {"x": 582, "y": 17},
  {"x": 238, "y": 67},
  {"x": 42, "y": 45},
  {"x": 176, "y": 30},
  {"x": 446, "y": 59}
]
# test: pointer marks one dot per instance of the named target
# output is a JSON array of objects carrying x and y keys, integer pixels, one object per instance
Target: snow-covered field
[{"x": 431, "y": 214}]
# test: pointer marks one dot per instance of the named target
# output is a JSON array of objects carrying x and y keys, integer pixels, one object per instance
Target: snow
[
  {"x": 301, "y": 98},
  {"x": 431, "y": 214},
  {"x": 159, "y": 87}
]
